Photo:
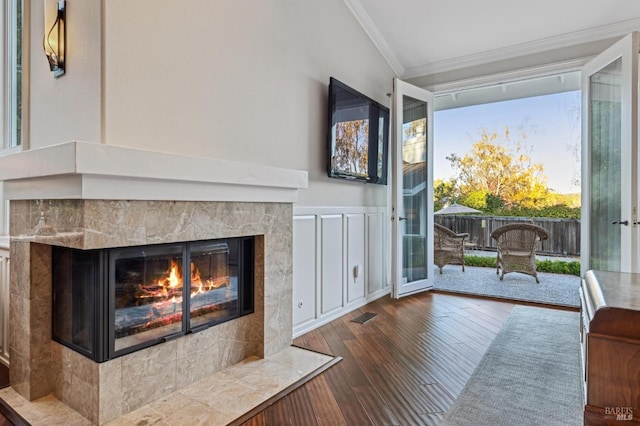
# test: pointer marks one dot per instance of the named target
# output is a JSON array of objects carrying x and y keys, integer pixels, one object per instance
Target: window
[
  {"x": 11, "y": 24},
  {"x": 11, "y": 73}
]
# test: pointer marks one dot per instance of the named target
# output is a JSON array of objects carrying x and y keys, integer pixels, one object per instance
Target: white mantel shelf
[{"x": 83, "y": 170}]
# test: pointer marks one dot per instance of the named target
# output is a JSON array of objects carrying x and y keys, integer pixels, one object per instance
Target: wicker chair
[
  {"x": 516, "y": 243},
  {"x": 448, "y": 247}
]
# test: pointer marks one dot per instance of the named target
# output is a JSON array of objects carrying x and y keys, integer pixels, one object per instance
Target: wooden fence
[{"x": 564, "y": 234}]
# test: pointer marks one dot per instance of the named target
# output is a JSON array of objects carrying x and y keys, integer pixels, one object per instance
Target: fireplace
[
  {"x": 99, "y": 197},
  {"x": 111, "y": 302}
]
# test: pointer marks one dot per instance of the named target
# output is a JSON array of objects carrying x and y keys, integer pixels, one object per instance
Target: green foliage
[
  {"x": 498, "y": 177},
  {"x": 557, "y": 211},
  {"x": 494, "y": 202},
  {"x": 443, "y": 193},
  {"x": 499, "y": 164},
  {"x": 551, "y": 266},
  {"x": 482, "y": 261},
  {"x": 476, "y": 200},
  {"x": 559, "y": 267}
]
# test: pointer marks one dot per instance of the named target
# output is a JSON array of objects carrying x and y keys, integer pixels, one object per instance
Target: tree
[
  {"x": 500, "y": 167},
  {"x": 351, "y": 145},
  {"x": 444, "y": 192}
]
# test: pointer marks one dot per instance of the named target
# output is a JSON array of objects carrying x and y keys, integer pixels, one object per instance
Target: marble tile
[
  {"x": 148, "y": 375},
  {"x": 20, "y": 255},
  {"x": 278, "y": 371},
  {"x": 114, "y": 223},
  {"x": 170, "y": 222},
  {"x": 226, "y": 394},
  {"x": 198, "y": 357},
  {"x": 176, "y": 410},
  {"x": 18, "y": 217},
  {"x": 75, "y": 381},
  {"x": 215, "y": 400},
  {"x": 300, "y": 360},
  {"x": 46, "y": 411},
  {"x": 110, "y": 398},
  {"x": 139, "y": 378}
]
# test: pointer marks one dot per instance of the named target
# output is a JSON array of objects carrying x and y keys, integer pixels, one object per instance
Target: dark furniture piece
[
  {"x": 516, "y": 247},
  {"x": 448, "y": 247},
  {"x": 610, "y": 337}
]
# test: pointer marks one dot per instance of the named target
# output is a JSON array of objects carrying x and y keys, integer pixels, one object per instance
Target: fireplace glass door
[
  {"x": 111, "y": 302},
  {"x": 148, "y": 288},
  {"x": 214, "y": 282}
]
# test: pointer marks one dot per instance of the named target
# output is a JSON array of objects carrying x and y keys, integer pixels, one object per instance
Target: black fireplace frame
[{"x": 101, "y": 345}]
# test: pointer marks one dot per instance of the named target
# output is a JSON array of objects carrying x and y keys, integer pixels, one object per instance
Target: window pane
[
  {"x": 11, "y": 31},
  {"x": 18, "y": 75},
  {"x": 605, "y": 189}
]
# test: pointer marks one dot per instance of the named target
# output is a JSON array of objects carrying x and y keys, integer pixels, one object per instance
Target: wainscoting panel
[
  {"x": 4, "y": 302},
  {"x": 340, "y": 257},
  {"x": 356, "y": 274},
  {"x": 304, "y": 270},
  {"x": 376, "y": 253},
  {"x": 331, "y": 263}
]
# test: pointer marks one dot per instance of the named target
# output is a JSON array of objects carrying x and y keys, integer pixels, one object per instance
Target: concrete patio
[{"x": 553, "y": 289}]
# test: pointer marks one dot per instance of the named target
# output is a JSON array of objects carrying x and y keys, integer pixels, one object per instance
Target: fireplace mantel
[
  {"x": 92, "y": 171},
  {"x": 90, "y": 196}
]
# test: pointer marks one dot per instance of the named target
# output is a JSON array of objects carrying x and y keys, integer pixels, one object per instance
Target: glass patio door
[
  {"x": 609, "y": 159},
  {"x": 412, "y": 204}
]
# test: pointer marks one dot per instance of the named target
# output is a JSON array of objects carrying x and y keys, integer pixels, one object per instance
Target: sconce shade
[{"x": 55, "y": 36}]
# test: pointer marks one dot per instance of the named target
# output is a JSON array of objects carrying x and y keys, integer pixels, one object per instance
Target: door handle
[
  {"x": 400, "y": 218},
  {"x": 622, "y": 222}
]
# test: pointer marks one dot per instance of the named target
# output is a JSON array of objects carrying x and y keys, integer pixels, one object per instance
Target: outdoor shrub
[
  {"x": 559, "y": 267},
  {"x": 482, "y": 261},
  {"x": 552, "y": 266}
]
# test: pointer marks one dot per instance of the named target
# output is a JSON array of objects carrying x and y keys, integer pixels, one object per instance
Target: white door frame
[
  {"x": 627, "y": 49},
  {"x": 400, "y": 285}
]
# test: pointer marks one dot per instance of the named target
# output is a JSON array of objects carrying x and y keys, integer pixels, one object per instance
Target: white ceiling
[{"x": 426, "y": 37}]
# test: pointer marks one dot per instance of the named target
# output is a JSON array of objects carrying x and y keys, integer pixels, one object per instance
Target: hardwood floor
[
  {"x": 4, "y": 376},
  {"x": 4, "y": 382},
  {"x": 406, "y": 366}
]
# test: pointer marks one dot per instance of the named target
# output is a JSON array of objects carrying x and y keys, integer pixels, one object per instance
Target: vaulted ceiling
[{"x": 422, "y": 38}]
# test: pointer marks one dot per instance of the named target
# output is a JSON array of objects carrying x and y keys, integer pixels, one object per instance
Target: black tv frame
[{"x": 343, "y": 98}]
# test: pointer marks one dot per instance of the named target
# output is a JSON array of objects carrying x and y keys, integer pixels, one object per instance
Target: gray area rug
[
  {"x": 530, "y": 375},
  {"x": 554, "y": 289}
]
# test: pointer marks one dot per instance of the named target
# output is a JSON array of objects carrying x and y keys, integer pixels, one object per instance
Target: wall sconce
[{"x": 55, "y": 35}]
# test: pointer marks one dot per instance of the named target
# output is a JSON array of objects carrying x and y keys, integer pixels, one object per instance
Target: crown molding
[
  {"x": 374, "y": 34},
  {"x": 618, "y": 29}
]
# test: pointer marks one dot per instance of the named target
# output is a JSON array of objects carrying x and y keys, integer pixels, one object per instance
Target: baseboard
[{"x": 312, "y": 325}]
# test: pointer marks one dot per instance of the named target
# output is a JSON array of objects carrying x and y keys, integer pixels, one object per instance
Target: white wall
[
  {"x": 66, "y": 108},
  {"x": 238, "y": 80}
]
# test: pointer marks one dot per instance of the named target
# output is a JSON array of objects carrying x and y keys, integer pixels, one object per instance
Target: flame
[
  {"x": 196, "y": 280},
  {"x": 175, "y": 279},
  {"x": 170, "y": 285}
]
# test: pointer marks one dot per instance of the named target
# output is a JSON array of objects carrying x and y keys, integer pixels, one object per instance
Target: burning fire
[{"x": 170, "y": 285}]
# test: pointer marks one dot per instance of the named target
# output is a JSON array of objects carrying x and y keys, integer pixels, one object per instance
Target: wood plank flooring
[{"x": 405, "y": 367}]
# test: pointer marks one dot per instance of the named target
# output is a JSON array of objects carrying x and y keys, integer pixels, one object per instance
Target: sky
[{"x": 550, "y": 122}]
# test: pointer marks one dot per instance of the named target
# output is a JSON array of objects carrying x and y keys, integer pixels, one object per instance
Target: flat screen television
[{"x": 358, "y": 136}]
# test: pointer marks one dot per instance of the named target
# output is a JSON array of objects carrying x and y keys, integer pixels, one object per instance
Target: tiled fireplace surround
[{"x": 104, "y": 391}]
